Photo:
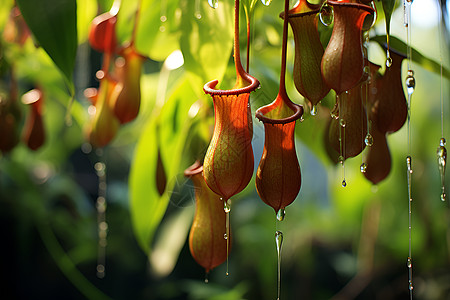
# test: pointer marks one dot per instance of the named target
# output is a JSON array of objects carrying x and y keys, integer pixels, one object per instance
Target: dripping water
[
  {"x": 280, "y": 214},
  {"x": 442, "y": 162},
  {"x": 266, "y": 2},
  {"x": 409, "y": 174},
  {"x": 278, "y": 242},
  {"x": 342, "y": 123},
  {"x": 314, "y": 110},
  {"x": 102, "y": 226},
  {"x": 388, "y": 57},
  {"x": 227, "y": 209},
  {"x": 441, "y": 150},
  {"x": 410, "y": 86}
]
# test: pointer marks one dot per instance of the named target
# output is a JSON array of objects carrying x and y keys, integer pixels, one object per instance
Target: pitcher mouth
[{"x": 209, "y": 87}]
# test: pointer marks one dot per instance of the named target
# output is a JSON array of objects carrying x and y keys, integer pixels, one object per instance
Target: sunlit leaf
[
  {"x": 206, "y": 42},
  {"x": 167, "y": 130},
  {"x": 54, "y": 24},
  {"x": 157, "y": 32},
  {"x": 422, "y": 60},
  {"x": 86, "y": 11}
]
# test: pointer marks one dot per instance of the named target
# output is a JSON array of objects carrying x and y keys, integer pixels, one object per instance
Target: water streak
[
  {"x": 227, "y": 209},
  {"x": 442, "y": 162},
  {"x": 278, "y": 242}
]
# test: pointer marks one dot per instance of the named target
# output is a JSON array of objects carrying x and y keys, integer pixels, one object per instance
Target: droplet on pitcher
[
  {"x": 280, "y": 214},
  {"x": 335, "y": 111},
  {"x": 266, "y": 2},
  {"x": 442, "y": 142},
  {"x": 410, "y": 82},
  {"x": 342, "y": 122},
  {"x": 314, "y": 110},
  {"x": 363, "y": 168},
  {"x": 326, "y": 14},
  {"x": 198, "y": 15},
  {"x": 388, "y": 59},
  {"x": 368, "y": 140},
  {"x": 225, "y": 236},
  {"x": 213, "y": 3},
  {"x": 410, "y": 1},
  {"x": 341, "y": 159},
  {"x": 344, "y": 183},
  {"x": 443, "y": 197}
]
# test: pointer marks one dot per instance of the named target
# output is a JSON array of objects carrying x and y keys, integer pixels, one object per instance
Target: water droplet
[
  {"x": 198, "y": 15},
  {"x": 213, "y": 3},
  {"x": 366, "y": 70},
  {"x": 368, "y": 140},
  {"x": 344, "y": 183},
  {"x": 266, "y": 2},
  {"x": 225, "y": 236},
  {"x": 314, "y": 110},
  {"x": 280, "y": 214},
  {"x": 162, "y": 28},
  {"x": 226, "y": 206},
  {"x": 442, "y": 142},
  {"x": 163, "y": 18},
  {"x": 326, "y": 14},
  {"x": 388, "y": 59},
  {"x": 342, "y": 122},
  {"x": 335, "y": 111},
  {"x": 363, "y": 168},
  {"x": 410, "y": 82},
  {"x": 409, "y": 164},
  {"x": 409, "y": 263},
  {"x": 410, "y": 1},
  {"x": 341, "y": 159},
  {"x": 443, "y": 197}
]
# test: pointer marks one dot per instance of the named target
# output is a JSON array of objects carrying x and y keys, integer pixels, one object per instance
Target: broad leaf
[
  {"x": 165, "y": 132},
  {"x": 158, "y": 28},
  {"x": 206, "y": 42},
  {"x": 54, "y": 25},
  {"x": 416, "y": 56}
]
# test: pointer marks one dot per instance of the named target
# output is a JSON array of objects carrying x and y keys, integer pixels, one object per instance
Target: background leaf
[
  {"x": 425, "y": 62},
  {"x": 206, "y": 43},
  {"x": 167, "y": 130},
  {"x": 54, "y": 24}
]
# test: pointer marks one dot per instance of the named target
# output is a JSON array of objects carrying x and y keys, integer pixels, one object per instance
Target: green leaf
[
  {"x": 206, "y": 43},
  {"x": 54, "y": 25},
  {"x": 86, "y": 11},
  {"x": 158, "y": 28},
  {"x": 168, "y": 131},
  {"x": 425, "y": 62}
]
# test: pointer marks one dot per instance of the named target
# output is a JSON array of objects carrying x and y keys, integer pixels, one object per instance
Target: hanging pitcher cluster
[
  {"x": 117, "y": 99},
  {"x": 12, "y": 127},
  {"x": 368, "y": 105}
]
